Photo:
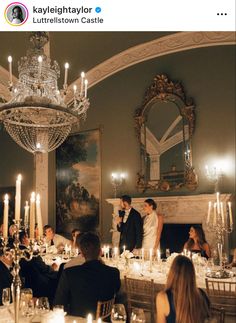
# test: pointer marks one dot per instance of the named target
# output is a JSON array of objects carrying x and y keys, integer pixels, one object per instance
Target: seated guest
[
  {"x": 197, "y": 242},
  {"x": 11, "y": 237},
  {"x": 79, "y": 259},
  {"x": 81, "y": 287},
  {"x": 54, "y": 239},
  {"x": 74, "y": 234},
  {"x": 5, "y": 273},
  {"x": 182, "y": 301},
  {"x": 38, "y": 276}
]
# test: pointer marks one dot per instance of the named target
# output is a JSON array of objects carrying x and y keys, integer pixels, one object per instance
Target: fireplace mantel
[{"x": 175, "y": 209}]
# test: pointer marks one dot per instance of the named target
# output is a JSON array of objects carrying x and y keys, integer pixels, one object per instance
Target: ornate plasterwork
[{"x": 159, "y": 47}]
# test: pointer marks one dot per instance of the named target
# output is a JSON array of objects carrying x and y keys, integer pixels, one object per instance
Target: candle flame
[
  {"x": 19, "y": 177},
  {"x": 9, "y": 59},
  {"x": 6, "y": 198},
  {"x": 40, "y": 59},
  {"x": 67, "y": 65},
  {"x": 82, "y": 74}
]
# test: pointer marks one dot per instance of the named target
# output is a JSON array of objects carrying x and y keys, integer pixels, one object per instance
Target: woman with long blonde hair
[{"x": 182, "y": 301}]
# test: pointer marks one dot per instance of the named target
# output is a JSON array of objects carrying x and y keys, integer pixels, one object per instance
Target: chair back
[
  {"x": 140, "y": 294},
  {"x": 218, "y": 313},
  {"x": 222, "y": 294},
  {"x": 104, "y": 308}
]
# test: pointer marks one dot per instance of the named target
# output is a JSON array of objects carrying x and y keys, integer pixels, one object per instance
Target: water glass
[
  {"x": 6, "y": 296},
  {"x": 137, "y": 315},
  {"x": 118, "y": 313},
  {"x": 26, "y": 294},
  {"x": 42, "y": 305}
]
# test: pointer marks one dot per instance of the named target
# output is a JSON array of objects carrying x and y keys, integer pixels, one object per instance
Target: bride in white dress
[{"x": 152, "y": 226}]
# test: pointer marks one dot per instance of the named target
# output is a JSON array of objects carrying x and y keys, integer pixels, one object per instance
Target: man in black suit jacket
[
  {"x": 81, "y": 287},
  {"x": 130, "y": 226},
  {"x": 5, "y": 274},
  {"x": 38, "y": 276}
]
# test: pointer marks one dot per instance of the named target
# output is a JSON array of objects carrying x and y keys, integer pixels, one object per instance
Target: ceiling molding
[{"x": 159, "y": 47}]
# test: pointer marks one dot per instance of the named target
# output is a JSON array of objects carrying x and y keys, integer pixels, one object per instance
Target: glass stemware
[
  {"x": 42, "y": 305},
  {"x": 118, "y": 313},
  {"x": 137, "y": 316},
  {"x": 6, "y": 296}
]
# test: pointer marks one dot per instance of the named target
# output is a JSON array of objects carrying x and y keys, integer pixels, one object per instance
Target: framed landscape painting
[{"x": 78, "y": 180}]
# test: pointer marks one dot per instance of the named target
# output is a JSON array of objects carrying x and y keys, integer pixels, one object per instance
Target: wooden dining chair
[
  {"x": 222, "y": 294},
  {"x": 140, "y": 294},
  {"x": 218, "y": 313},
  {"x": 104, "y": 308}
]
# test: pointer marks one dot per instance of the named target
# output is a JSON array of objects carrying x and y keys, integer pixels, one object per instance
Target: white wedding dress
[{"x": 150, "y": 224}]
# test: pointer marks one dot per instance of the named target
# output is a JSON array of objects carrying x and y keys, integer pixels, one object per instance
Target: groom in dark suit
[
  {"x": 130, "y": 225},
  {"x": 81, "y": 287}
]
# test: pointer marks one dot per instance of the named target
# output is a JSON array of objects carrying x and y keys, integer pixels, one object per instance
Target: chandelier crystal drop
[{"x": 37, "y": 117}]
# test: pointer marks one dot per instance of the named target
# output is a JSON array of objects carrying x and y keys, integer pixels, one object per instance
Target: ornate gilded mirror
[{"x": 165, "y": 125}]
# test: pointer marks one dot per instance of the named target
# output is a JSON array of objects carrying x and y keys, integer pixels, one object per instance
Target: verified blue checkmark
[{"x": 98, "y": 9}]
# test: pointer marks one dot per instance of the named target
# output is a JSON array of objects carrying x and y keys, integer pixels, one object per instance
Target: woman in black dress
[{"x": 197, "y": 242}]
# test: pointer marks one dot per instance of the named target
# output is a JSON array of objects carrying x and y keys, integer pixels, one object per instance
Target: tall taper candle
[
  {"x": 222, "y": 213},
  {"x": 18, "y": 197},
  {"x": 26, "y": 218},
  {"x": 230, "y": 214},
  {"x": 39, "y": 216},
  {"x": 32, "y": 215},
  {"x": 5, "y": 216},
  {"x": 10, "y": 68},
  {"x": 82, "y": 83},
  {"x": 85, "y": 88},
  {"x": 218, "y": 202},
  {"x": 66, "y": 74}
]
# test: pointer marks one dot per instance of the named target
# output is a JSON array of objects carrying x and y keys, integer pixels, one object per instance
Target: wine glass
[
  {"x": 6, "y": 296},
  {"x": 137, "y": 315},
  {"x": 167, "y": 253},
  {"x": 26, "y": 294},
  {"x": 118, "y": 313},
  {"x": 42, "y": 305}
]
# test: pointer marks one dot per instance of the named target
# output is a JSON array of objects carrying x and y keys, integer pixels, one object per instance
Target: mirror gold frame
[{"x": 163, "y": 89}]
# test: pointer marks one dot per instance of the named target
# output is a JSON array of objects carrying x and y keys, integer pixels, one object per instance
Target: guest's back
[{"x": 81, "y": 287}]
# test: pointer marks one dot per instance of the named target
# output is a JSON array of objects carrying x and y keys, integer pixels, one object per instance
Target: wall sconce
[
  {"x": 214, "y": 174},
  {"x": 117, "y": 179}
]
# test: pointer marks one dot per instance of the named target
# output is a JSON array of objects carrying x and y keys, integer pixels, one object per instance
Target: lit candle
[
  {"x": 32, "y": 215},
  {"x": 18, "y": 197},
  {"x": 115, "y": 252},
  {"x": 123, "y": 248},
  {"x": 66, "y": 74},
  {"x": 40, "y": 61},
  {"x": 218, "y": 202},
  {"x": 89, "y": 318},
  {"x": 214, "y": 218},
  {"x": 99, "y": 320},
  {"x": 209, "y": 213},
  {"x": 10, "y": 68},
  {"x": 158, "y": 255},
  {"x": 85, "y": 88},
  {"x": 150, "y": 254},
  {"x": 39, "y": 216},
  {"x": 82, "y": 83},
  {"x": 185, "y": 252},
  {"x": 26, "y": 219},
  {"x": 230, "y": 214},
  {"x": 75, "y": 89},
  {"x": 5, "y": 216},
  {"x": 222, "y": 213}
]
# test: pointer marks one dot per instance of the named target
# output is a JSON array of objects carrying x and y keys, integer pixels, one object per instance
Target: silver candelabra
[
  {"x": 220, "y": 220},
  {"x": 17, "y": 254}
]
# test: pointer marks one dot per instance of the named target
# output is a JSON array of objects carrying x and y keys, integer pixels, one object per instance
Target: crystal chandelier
[{"x": 37, "y": 117}]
